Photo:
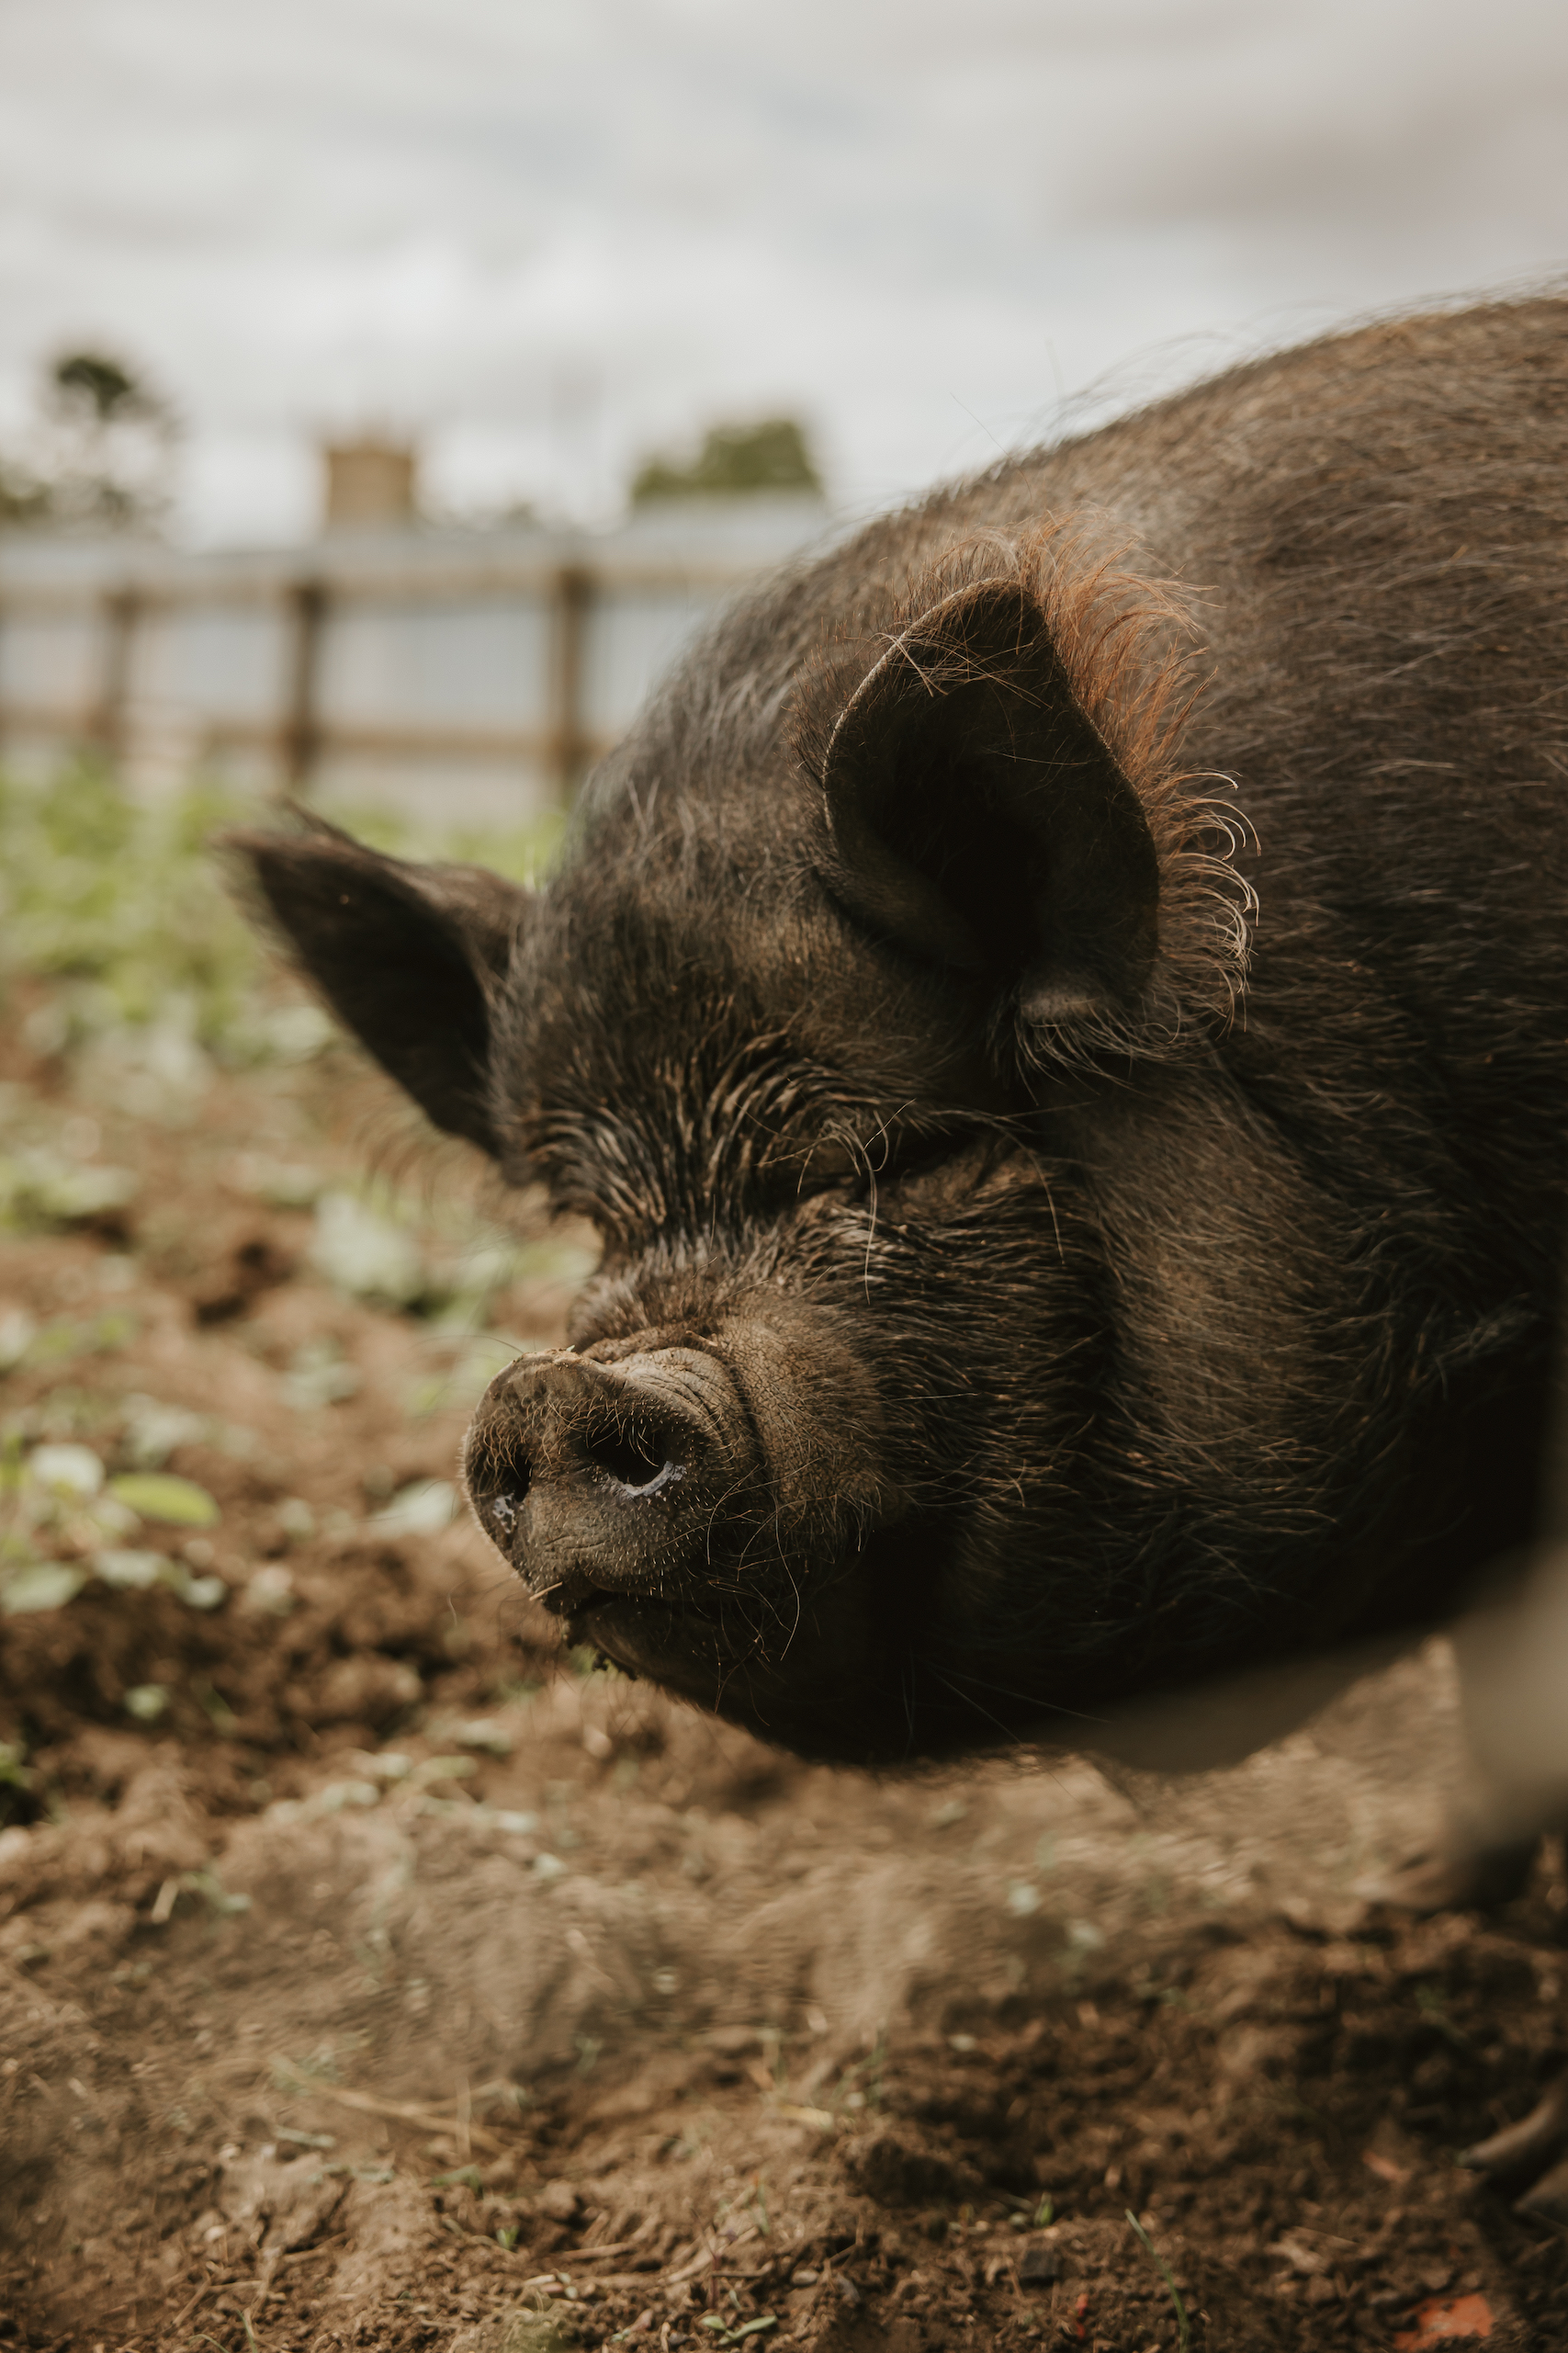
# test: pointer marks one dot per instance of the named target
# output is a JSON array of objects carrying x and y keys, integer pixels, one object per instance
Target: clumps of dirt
[
  {"x": 332, "y": 1585},
  {"x": 1285, "y": 2158},
  {"x": 626, "y": 2032},
  {"x": 902, "y": 2168}
]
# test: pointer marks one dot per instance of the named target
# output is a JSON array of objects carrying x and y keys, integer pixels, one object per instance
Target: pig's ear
[
  {"x": 410, "y": 957},
  {"x": 978, "y": 820}
]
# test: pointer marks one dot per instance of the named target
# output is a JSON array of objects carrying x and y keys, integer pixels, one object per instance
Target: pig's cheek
[{"x": 814, "y": 1401}]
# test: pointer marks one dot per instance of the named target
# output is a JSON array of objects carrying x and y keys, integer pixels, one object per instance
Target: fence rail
[{"x": 496, "y": 666}]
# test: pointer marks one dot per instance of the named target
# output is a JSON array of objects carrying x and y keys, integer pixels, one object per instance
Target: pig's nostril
[
  {"x": 501, "y": 1510},
  {"x": 635, "y": 1462}
]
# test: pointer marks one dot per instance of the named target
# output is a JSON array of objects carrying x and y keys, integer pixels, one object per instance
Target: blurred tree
[
  {"x": 23, "y": 498},
  {"x": 734, "y": 458},
  {"x": 100, "y": 454},
  {"x": 89, "y": 380}
]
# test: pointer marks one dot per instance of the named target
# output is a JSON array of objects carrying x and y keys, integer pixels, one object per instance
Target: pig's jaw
[
  {"x": 858, "y": 1678},
  {"x": 830, "y": 1708},
  {"x": 812, "y": 1683}
]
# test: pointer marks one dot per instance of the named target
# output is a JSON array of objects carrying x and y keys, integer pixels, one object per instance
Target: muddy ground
[{"x": 370, "y": 1977}]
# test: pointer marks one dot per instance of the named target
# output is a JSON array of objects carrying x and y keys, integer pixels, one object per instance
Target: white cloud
[{"x": 546, "y": 236}]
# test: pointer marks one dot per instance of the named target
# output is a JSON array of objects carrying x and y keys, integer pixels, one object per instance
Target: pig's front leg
[
  {"x": 1467, "y": 1872},
  {"x": 1512, "y": 1657},
  {"x": 1513, "y": 1666}
]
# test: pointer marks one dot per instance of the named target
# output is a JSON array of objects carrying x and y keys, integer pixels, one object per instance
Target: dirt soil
[{"x": 370, "y": 1978}]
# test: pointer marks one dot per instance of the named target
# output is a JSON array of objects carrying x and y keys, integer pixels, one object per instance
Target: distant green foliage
[
  {"x": 735, "y": 459},
  {"x": 121, "y": 899},
  {"x": 104, "y": 386},
  {"x": 99, "y": 452},
  {"x": 122, "y": 904},
  {"x": 523, "y": 852},
  {"x": 23, "y": 498}
]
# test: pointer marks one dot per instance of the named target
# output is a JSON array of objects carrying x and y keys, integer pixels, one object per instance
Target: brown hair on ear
[{"x": 1127, "y": 663}]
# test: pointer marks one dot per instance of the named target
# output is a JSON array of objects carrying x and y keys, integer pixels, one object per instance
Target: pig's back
[{"x": 1372, "y": 535}]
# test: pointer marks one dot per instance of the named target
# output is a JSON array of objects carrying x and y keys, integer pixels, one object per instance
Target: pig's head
[{"x": 801, "y": 1024}]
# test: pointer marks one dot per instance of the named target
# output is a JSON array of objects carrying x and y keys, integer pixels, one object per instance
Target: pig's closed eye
[
  {"x": 897, "y": 1156},
  {"x": 829, "y": 1162}
]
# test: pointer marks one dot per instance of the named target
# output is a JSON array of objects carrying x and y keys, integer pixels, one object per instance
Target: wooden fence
[{"x": 482, "y": 669}]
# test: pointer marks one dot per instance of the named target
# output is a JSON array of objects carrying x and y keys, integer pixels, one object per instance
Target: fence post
[
  {"x": 569, "y": 739},
  {"x": 108, "y": 724},
  {"x": 306, "y": 605}
]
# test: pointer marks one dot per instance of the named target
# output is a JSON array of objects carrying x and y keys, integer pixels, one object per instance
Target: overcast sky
[{"x": 549, "y": 235}]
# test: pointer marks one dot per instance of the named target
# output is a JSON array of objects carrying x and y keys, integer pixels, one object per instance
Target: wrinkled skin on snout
[{"x": 1073, "y": 1099}]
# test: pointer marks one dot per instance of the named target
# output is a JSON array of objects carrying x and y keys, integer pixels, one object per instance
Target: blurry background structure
[
  {"x": 509, "y": 264},
  {"x": 456, "y": 674}
]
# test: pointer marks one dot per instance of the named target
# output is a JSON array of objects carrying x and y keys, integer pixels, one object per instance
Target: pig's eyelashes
[
  {"x": 903, "y": 1156},
  {"x": 829, "y": 1162}
]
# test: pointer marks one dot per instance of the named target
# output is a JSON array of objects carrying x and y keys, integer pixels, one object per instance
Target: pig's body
[{"x": 1033, "y": 1276}]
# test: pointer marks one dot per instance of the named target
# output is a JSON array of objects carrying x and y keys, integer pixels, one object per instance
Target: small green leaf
[
  {"x": 202, "y": 1593},
  {"x": 1184, "y": 2325},
  {"x": 134, "y": 1571},
  {"x": 158, "y": 1495},
  {"x": 208, "y": 1884},
  {"x": 219, "y": 1714},
  {"x": 41, "y": 1585},
  {"x": 420, "y": 1510},
  {"x": 70, "y": 1473}
]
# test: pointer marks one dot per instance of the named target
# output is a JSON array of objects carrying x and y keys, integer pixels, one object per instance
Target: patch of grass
[
  {"x": 1184, "y": 2326},
  {"x": 99, "y": 888},
  {"x": 121, "y": 907}
]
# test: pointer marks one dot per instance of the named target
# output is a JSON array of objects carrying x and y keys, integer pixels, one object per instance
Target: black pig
[{"x": 1059, "y": 1011}]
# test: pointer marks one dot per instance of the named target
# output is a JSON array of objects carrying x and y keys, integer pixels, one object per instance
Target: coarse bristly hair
[
  {"x": 1130, "y": 647},
  {"x": 1048, "y": 1390}
]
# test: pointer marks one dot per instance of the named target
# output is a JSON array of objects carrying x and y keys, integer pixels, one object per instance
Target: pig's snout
[{"x": 610, "y": 1480}]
